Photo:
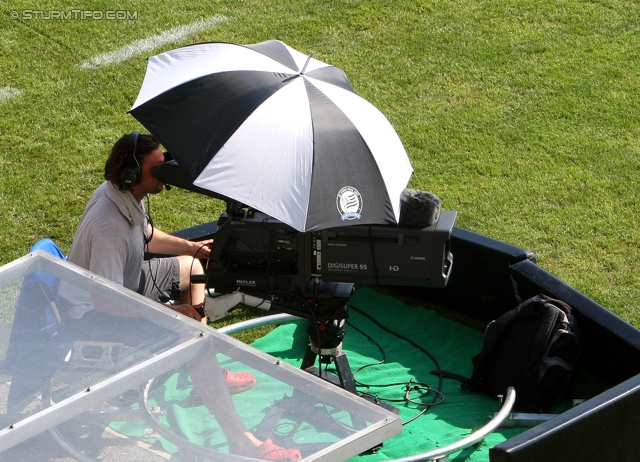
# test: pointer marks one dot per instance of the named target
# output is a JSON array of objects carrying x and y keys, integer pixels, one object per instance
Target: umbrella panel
[
  {"x": 346, "y": 178},
  {"x": 194, "y": 120}
]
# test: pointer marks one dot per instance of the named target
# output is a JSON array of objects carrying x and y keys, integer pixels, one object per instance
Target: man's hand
[{"x": 204, "y": 248}]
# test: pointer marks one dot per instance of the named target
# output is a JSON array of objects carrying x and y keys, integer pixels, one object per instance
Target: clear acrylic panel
[{"x": 92, "y": 371}]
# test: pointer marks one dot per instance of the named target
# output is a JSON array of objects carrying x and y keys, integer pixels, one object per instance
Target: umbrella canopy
[{"x": 277, "y": 130}]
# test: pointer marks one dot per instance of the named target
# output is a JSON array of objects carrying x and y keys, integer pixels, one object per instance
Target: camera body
[{"x": 255, "y": 253}]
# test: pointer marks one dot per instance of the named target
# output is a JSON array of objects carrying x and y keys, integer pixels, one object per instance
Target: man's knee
[
  {"x": 189, "y": 266},
  {"x": 198, "y": 268}
]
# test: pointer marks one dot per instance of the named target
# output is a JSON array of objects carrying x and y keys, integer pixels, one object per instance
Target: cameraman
[
  {"x": 114, "y": 232},
  {"x": 111, "y": 239}
]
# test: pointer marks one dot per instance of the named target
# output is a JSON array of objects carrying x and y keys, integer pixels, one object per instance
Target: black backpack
[{"x": 533, "y": 348}]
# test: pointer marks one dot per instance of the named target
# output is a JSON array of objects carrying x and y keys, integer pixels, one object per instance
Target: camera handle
[{"x": 217, "y": 307}]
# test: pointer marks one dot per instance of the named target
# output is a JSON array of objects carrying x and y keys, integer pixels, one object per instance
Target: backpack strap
[
  {"x": 559, "y": 303},
  {"x": 449, "y": 375}
]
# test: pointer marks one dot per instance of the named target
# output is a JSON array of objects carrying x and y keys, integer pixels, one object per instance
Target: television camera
[{"x": 259, "y": 261}]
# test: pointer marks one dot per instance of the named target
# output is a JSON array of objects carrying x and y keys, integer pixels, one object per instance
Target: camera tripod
[
  {"x": 325, "y": 344},
  {"x": 326, "y": 309}
]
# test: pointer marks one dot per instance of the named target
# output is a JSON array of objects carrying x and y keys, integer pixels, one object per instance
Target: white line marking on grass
[
  {"x": 143, "y": 46},
  {"x": 6, "y": 93}
]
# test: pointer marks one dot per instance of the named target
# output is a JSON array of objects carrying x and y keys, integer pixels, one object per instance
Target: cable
[
  {"x": 193, "y": 260},
  {"x": 147, "y": 240},
  {"x": 411, "y": 386},
  {"x": 402, "y": 337},
  {"x": 153, "y": 277},
  {"x": 382, "y": 352},
  {"x": 309, "y": 309}
]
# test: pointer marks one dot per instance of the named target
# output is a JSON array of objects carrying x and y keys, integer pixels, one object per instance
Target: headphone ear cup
[{"x": 130, "y": 177}]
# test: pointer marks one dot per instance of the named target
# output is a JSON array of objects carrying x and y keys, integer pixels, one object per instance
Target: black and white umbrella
[{"x": 276, "y": 130}]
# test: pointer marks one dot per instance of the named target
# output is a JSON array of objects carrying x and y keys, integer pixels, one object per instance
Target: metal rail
[
  {"x": 282, "y": 318},
  {"x": 442, "y": 454},
  {"x": 438, "y": 454}
]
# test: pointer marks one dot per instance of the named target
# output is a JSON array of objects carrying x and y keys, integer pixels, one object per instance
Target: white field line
[
  {"x": 145, "y": 45},
  {"x": 6, "y": 93}
]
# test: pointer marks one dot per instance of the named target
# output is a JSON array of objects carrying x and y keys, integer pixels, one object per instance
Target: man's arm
[{"x": 166, "y": 244}]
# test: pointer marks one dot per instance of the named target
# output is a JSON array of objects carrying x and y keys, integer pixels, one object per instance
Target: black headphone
[{"x": 131, "y": 174}]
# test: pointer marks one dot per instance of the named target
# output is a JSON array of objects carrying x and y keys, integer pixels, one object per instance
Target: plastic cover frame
[{"x": 193, "y": 339}]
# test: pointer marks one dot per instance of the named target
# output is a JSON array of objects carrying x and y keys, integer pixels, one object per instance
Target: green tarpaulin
[
  {"x": 450, "y": 343},
  {"x": 408, "y": 338}
]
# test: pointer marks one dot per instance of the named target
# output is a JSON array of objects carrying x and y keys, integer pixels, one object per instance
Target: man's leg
[
  {"x": 192, "y": 294},
  {"x": 160, "y": 279},
  {"x": 208, "y": 381}
]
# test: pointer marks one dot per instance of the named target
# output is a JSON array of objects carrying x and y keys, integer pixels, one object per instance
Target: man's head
[{"x": 124, "y": 165}]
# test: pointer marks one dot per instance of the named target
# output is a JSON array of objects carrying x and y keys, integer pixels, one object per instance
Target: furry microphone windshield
[{"x": 418, "y": 209}]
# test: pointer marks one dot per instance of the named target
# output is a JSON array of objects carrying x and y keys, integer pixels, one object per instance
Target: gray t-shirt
[{"x": 110, "y": 238}]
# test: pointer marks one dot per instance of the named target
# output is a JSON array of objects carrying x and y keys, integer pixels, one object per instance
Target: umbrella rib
[{"x": 304, "y": 68}]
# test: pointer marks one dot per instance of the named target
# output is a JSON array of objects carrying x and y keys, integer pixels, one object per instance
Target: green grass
[{"x": 522, "y": 116}]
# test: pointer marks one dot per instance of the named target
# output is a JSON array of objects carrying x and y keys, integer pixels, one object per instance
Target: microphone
[{"x": 418, "y": 209}]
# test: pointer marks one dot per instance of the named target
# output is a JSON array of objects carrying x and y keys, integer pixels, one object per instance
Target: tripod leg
[
  {"x": 309, "y": 358},
  {"x": 344, "y": 372}
]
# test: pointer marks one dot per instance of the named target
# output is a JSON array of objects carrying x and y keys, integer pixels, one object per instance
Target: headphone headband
[
  {"x": 132, "y": 141},
  {"x": 131, "y": 174}
]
